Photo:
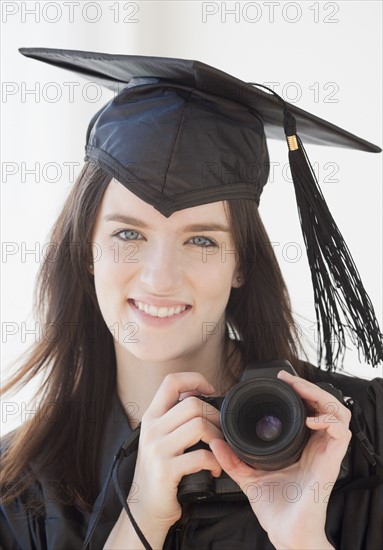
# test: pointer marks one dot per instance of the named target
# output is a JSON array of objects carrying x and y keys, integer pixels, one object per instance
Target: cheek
[
  {"x": 111, "y": 269},
  {"x": 215, "y": 279},
  {"x": 115, "y": 255}
]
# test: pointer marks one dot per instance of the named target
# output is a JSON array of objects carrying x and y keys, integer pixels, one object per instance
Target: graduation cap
[{"x": 181, "y": 133}]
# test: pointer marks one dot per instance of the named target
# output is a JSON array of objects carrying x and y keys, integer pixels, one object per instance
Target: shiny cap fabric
[
  {"x": 176, "y": 148},
  {"x": 182, "y": 133}
]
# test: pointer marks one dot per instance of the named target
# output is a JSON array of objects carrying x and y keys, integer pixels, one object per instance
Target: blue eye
[
  {"x": 203, "y": 241},
  {"x": 128, "y": 235}
]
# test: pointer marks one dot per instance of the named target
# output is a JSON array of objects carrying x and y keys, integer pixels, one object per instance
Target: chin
[{"x": 161, "y": 353}]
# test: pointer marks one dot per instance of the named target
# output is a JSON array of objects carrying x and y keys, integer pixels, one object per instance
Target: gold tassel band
[{"x": 292, "y": 143}]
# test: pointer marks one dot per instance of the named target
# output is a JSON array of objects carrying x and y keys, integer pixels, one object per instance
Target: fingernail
[
  {"x": 212, "y": 387},
  {"x": 284, "y": 373}
]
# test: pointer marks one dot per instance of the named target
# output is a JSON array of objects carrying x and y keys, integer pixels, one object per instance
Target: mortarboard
[{"x": 181, "y": 133}]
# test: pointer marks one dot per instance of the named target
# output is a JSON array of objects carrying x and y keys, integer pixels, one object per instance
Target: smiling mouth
[{"x": 162, "y": 311}]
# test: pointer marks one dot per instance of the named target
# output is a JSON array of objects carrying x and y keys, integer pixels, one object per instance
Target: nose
[{"x": 161, "y": 269}]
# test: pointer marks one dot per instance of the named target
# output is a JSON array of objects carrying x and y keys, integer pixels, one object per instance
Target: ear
[{"x": 237, "y": 280}]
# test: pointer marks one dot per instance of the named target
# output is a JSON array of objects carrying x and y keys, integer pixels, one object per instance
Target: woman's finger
[
  {"x": 189, "y": 408},
  {"x": 321, "y": 401},
  {"x": 180, "y": 414},
  {"x": 189, "y": 434},
  {"x": 336, "y": 430},
  {"x": 172, "y": 386},
  {"x": 195, "y": 461}
]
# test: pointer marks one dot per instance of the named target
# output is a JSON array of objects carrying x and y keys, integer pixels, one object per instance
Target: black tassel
[{"x": 341, "y": 302}]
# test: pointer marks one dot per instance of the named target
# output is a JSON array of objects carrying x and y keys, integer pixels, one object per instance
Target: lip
[{"x": 157, "y": 322}]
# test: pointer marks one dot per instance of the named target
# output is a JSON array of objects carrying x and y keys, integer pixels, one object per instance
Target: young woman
[{"x": 162, "y": 288}]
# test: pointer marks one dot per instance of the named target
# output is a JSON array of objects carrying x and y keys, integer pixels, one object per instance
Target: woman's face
[{"x": 162, "y": 283}]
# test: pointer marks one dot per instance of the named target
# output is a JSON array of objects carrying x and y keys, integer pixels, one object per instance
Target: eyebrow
[{"x": 129, "y": 220}]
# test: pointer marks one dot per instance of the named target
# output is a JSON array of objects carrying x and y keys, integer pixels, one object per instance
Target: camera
[{"x": 263, "y": 421}]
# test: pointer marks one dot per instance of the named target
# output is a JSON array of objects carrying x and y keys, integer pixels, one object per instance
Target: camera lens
[
  {"x": 263, "y": 420},
  {"x": 268, "y": 428}
]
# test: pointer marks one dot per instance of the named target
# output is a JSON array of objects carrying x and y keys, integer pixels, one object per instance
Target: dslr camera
[{"x": 263, "y": 421}]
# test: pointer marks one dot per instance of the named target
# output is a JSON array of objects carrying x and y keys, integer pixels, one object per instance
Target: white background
[{"x": 326, "y": 54}]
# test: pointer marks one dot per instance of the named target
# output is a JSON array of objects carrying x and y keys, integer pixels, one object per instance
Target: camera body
[{"x": 263, "y": 421}]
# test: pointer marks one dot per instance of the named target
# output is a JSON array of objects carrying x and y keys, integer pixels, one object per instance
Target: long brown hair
[
  {"x": 259, "y": 311},
  {"x": 78, "y": 359}
]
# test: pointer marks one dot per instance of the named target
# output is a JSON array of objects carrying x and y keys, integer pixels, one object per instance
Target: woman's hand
[
  {"x": 168, "y": 427},
  {"x": 291, "y": 503}
]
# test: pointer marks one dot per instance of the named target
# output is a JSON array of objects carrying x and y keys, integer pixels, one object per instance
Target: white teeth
[
  {"x": 153, "y": 311},
  {"x": 159, "y": 311},
  {"x": 165, "y": 312}
]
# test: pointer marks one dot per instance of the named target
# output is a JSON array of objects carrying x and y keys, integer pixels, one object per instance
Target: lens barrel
[{"x": 263, "y": 420}]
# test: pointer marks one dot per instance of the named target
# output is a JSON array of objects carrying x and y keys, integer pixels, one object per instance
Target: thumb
[{"x": 229, "y": 461}]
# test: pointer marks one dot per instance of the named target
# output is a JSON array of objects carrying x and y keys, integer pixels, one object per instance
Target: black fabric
[
  {"x": 353, "y": 520},
  {"x": 112, "y": 69},
  {"x": 182, "y": 133},
  {"x": 175, "y": 147}
]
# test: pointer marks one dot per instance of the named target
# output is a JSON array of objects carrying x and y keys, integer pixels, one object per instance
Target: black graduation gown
[{"x": 354, "y": 517}]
